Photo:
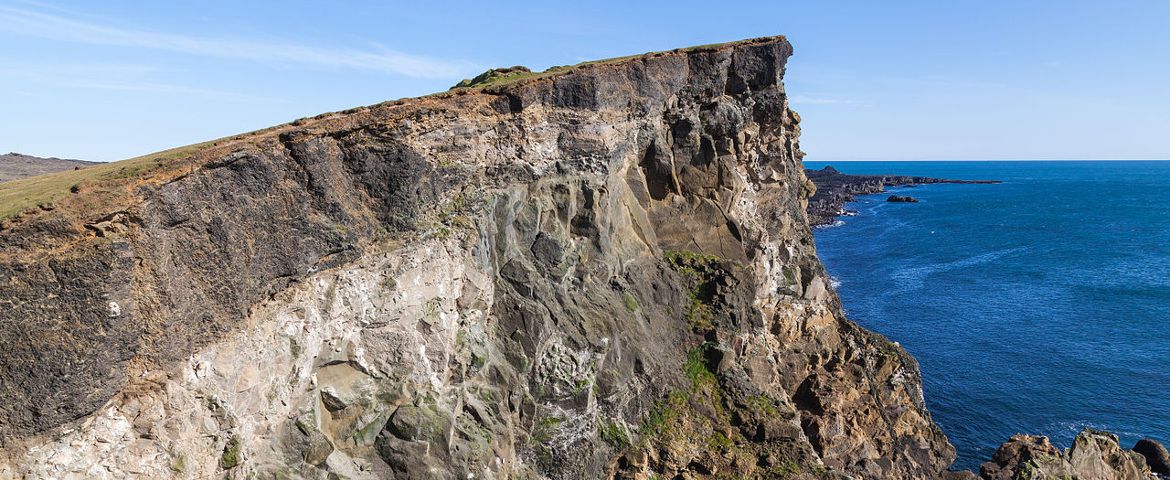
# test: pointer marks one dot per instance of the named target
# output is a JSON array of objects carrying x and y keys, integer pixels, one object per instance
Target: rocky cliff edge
[{"x": 598, "y": 271}]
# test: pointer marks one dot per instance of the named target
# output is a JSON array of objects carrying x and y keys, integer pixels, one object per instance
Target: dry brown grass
[{"x": 98, "y": 182}]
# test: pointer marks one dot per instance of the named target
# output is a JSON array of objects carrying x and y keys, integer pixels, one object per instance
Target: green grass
[
  {"x": 497, "y": 76},
  {"x": 99, "y": 183},
  {"x": 231, "y": 454},
  {"x": 631, "y": 302},
  {"x": 546, "y": 429},
  {"x": 663, "y": 413},
  {"x": 698, "y": 270},
  {"x": 512, "y": 79},
  {"x": 696, "y": 366},
  {"x": 718, "y": 441},
  {"x": 42, "y": 191},
  {"x": 614, "y": 434}
]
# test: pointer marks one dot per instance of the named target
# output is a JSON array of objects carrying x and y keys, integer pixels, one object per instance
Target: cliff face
[{"x": 603, "y": 271}]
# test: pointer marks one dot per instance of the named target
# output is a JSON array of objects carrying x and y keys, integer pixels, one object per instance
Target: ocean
[{"x": 1040, "y": 305}]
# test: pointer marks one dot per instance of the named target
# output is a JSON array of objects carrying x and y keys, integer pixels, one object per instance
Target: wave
[
  {"x": 914, "y": 278},
  {"x": 834, "y": 282}
]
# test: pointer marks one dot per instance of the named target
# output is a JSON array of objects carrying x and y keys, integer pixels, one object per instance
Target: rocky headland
[
  {"x": 599, "y": 271},
  {"x": 835, "y": 189},
  {"x": 18, "y": 165}
]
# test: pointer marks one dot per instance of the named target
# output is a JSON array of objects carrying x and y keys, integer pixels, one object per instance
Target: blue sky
[{"x": 872, "y": 80}]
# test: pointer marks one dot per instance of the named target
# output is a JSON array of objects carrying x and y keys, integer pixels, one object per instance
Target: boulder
[
  {"x": 1155, "y": 454},
  {"x": 1094, "y": 455}
]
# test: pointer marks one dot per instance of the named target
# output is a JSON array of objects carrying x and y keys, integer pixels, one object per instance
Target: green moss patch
[{"x": 232, "y": 454}]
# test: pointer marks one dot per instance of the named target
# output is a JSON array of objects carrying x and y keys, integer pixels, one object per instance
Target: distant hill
[{"x": 18, "y": 165}]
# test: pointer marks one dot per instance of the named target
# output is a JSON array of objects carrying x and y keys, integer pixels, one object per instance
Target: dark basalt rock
[
  {"x": 901, "y": 199},
  {"x": 1156, "y": 455}
]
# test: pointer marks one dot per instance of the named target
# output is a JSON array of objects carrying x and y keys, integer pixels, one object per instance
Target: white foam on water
[{"x": 914, "y": 278}]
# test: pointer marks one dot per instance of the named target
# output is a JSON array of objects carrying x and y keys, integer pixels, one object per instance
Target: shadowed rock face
[{"x": 603, "y": 272}]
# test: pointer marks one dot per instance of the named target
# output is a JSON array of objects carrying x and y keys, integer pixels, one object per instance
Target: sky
[{"x": 894, "y": 80}]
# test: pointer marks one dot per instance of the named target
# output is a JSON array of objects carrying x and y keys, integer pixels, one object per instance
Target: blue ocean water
[{"x": 1040, "y": 305}]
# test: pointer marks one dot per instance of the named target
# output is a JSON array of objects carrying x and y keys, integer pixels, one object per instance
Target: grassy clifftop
[{"x": 99, "y": 186}]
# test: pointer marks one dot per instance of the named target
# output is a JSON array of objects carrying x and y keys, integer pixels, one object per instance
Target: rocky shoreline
[
  {"x": 1093, "y": 454},
  {"x": 835, "y": 189}
]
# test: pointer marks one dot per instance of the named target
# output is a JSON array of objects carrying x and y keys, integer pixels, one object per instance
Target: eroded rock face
[{"x": 604, "y": 272}]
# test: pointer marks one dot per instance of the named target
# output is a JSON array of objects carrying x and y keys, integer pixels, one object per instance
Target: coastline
[
  {"x": 994, "y": 459},
  {"x": 835, "y": 189}
]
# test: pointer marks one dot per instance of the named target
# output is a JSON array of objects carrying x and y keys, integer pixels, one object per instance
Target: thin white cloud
[
  {"x": 66, "y": 28},
  {"x": 117, "y": 77},
  {"x": 807, "y": 100},
  {"x": 155, "y": 87},
  {"x": 42, "y": 70}
]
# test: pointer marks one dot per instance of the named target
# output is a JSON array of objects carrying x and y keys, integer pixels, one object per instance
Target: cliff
[{"x": 598, "y": 271}]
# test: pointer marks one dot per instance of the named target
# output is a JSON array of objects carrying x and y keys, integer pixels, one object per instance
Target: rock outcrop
[
  {"x": 1155, "y": 454},
  {"x": 901, "y": 199},
  {"x": 599, "y": 271},
  {"x": 1094, "y": 455}
]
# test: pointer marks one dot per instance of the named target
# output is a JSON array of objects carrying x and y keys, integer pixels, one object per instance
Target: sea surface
[{"x": 1040, "y": 305}]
